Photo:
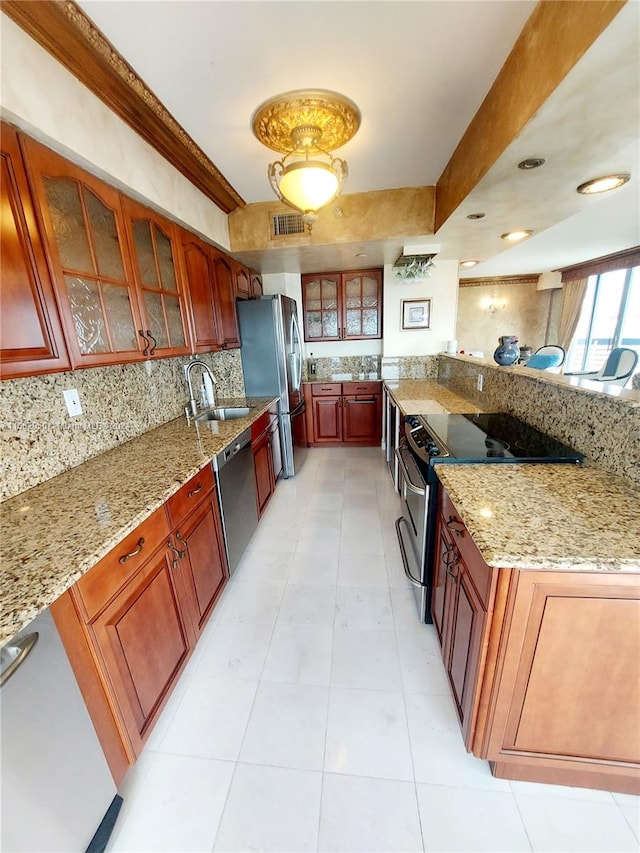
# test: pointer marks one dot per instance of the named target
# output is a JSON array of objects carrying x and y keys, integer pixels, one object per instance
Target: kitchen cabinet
[
  {"x": 31, "y": 333},
  {"x": 199, "y": 544},
  {"x": 256, "y": 286},
  {"x": 342, "y": 306},
  {"x": 267, "y": 456},
  {"x": 130, "y": 624},
  {"x": 349, "y": 412},
  {"x": 211, "y": 296},
  {"x": 154, "y": 245},
  {"x": 225, "y": 302},
  {"x": 242, "y": 281},
  {"x": 85, "y": 239},
  {"x": 459, "y": 611},
  {"x": 538, "y": 694}
]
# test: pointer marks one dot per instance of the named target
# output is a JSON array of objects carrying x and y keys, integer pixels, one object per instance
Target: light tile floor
[{"x": 315, "y": 713}]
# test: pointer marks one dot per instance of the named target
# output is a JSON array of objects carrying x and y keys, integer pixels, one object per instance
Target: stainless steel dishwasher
[{"x": 237, "y": 496}]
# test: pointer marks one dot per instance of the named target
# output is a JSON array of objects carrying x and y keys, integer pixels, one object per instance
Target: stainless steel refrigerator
[{"x": 272, "y": 360}]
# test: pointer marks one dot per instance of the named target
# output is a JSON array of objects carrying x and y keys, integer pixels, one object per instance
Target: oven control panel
[{"x": 421, "y": 440}]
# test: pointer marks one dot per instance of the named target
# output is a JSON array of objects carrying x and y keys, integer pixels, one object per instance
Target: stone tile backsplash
[
  {"x": 38, "y": 439},
  {"x": 372, "y": 367},
  {"x": 605, "y": 428}
]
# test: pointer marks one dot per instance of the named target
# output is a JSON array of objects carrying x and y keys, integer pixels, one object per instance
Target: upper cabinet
[
  {"x": 242, "y": 281},
  {"x": 30, "y": 326},
  {"x": 342, "y": 306},
  {"x": 154, "y": 243},
  {"x": 86, "y": 241},
  {"x": 229, "y": 334}
]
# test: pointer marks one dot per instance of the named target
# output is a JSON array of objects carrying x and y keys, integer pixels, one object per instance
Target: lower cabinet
[
  {"x": 542, "y": 664},
  {"x": 267, "y": 456},
  {"x": 344, "y": 412},
  {"x": 130, "y": 624}
]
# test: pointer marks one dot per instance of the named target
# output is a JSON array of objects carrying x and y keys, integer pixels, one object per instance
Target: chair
[
  {"x": 547, "y": 357},
  {"x": 616, "y": 370}
]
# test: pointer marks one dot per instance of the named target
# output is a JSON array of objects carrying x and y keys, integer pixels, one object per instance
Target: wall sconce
[{"x": 491, "y": 306}]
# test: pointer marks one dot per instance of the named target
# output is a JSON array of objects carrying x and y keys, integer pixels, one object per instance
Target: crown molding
[
  {"x": 64, "y": 31},
  {"x": 504, "y": 279}
]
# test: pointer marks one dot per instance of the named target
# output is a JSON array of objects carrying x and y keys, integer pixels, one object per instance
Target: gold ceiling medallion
[{"x": 301, "y": 125}]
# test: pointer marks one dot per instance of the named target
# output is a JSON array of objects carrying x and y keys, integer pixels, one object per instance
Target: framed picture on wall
[{"x": 416, "y": 313}]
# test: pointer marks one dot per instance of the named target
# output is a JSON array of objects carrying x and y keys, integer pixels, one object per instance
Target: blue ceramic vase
[{"x": 508, "y": 352}]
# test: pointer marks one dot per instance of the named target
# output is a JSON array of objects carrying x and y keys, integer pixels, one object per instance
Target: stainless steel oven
[
  {"x": 411, "y": 527},
  {"x": 427, "y": 440}
]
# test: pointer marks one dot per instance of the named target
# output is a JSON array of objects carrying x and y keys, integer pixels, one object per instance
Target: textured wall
[
  {"x": 605, "y": 428},
  {"x": 525, "y": 314},
  {"x": 38, "y": 439}
]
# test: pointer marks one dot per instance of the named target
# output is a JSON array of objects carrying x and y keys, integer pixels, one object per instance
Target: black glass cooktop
[{"x": 492, "y": 437}]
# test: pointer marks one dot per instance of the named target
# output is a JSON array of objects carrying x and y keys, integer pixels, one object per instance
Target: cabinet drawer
[
  {"x": 326, "y": 389},
  {"x": 107, "y": 577},
  {"x": 190, "y": 495},
  {"x": 479, "y": 571},
  {"x": 361, "y": 388}
]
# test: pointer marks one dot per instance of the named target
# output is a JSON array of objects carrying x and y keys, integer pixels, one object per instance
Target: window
[{"x": 610, "y": 317}]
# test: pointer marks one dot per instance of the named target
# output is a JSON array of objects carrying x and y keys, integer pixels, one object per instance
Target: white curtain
[{"x": 572, "y": 298}]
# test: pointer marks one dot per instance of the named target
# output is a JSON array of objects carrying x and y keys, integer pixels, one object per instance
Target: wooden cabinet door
[
  {"x": 444, "y": 558},
  {"x": 256, "y": 286},
  {"x": 276, "y": 449},
  {"x": 204, "y": 563},
  {"x": 321, "y": 307},
  {"x": 327, "y": 419},
  {"x": 242, "y": 281},
  {"x": 228, "y": 331},
  {"x": 200, "y": 276},
  {"x": 144, "y": 643},
  {"x": 362, "y": 296},
  {"x": 154, "y": 246},
  {"x": 464, "y": 632},
  {"x": 362, "y": 419},
  {"x": 81, "y": 218},
  {"x": 31, "y": 334},
  {"x": 263, "y": 462}
]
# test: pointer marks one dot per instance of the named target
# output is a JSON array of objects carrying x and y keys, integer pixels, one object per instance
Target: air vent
[{"x": 287, "y": 223}]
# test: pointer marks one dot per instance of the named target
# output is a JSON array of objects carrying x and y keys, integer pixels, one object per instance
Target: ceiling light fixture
[
  {"x": 602, "y": 185},
  {"x": 476, "y": 215},
  {"x": 306, "y": 125},
  {"x": 515, "y": 236},
  {"x": 468, "y": 264}
]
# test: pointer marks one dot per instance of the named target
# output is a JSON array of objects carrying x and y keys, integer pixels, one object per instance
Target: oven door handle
[
  {"x": 417, "y": 490},
  {"x": 403, "y": 554}
]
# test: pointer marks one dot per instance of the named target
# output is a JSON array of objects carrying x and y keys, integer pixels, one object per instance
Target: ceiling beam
[
  {"x": 555, "y": 37},
  {"x": 62, "y": 29}
]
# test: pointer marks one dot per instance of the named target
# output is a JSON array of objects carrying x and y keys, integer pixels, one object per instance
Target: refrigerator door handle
[{"x": 297, "y": 350}]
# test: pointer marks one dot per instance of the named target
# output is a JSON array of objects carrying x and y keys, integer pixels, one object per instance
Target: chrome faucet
[{"x": 188, "y": 368}]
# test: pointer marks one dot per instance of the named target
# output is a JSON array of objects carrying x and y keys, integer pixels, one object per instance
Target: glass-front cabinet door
[
  {"x": 84, "y": 226},
  {"x": 154, "y": 247},
  {"x": 342, "y": 306},
  {"x": 363, "y": 308},
  {"x": 321, "y": 307}
]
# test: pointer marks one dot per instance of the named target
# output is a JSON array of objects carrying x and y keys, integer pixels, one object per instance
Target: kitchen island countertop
[
  {"x": 54, "y": 533},
  {"x": 426, "y": 396},
  {"x": 560, "y": 517}
]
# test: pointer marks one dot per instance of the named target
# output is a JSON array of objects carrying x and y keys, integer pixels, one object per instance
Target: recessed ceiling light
[
  {"x": 531, "y": 163},
  {"x": 361, "y": 255},
  {"x": 514, "y": 236},
  {"x": 603, "y": 185},
  {"x": 467, "y": 264},
  {"x": 476, "y": 215}
]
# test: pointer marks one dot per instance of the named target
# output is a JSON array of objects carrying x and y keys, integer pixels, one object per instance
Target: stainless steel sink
[{"x": 224, "y": 413}]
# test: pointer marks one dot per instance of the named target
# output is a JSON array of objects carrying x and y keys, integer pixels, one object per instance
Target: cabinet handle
[
  {"x": 453, "y": 577},
  {"x": 180, "y": 539},
  {"x": 145, "y": 351},
  {"x": 195, "y": 491},
  {"x": 134, "y": 553},
  {"x": 452, "y": 553},
  {"x": 155, "y": 343},
  {"x": 179, "y": 554},
  {"x": 458, "y": 531}
]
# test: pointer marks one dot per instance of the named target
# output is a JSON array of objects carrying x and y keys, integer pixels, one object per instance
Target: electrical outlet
[
  {"x": 480, "y": 381},
  {"x": 72, "y": 400}
]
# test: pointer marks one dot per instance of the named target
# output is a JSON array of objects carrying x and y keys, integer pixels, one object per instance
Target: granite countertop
[
  {"x": 55, "y": 532},
  {"x": 549, "y": 516},
  {"x": 426, "y": 397},
  {"x": 346, "y": 377}
]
